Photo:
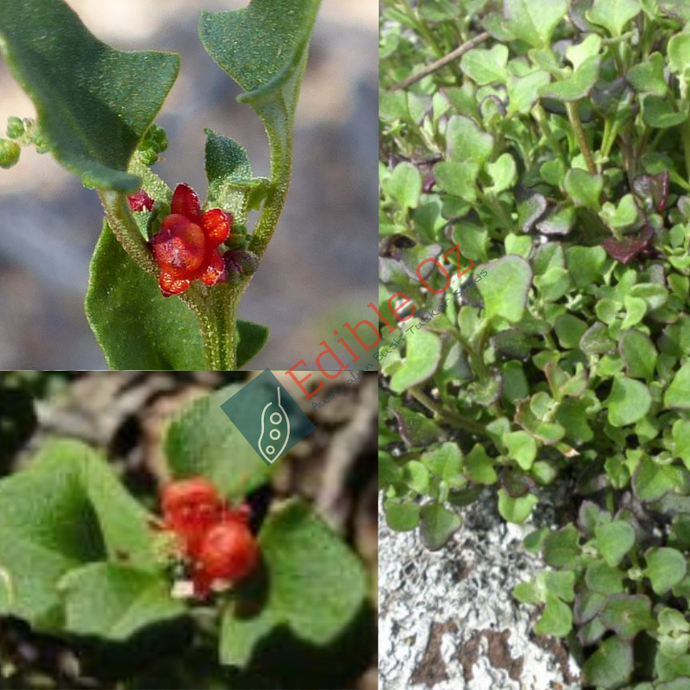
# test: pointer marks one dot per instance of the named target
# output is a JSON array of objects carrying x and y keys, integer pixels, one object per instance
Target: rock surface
[{"x": 447, "y": 619}]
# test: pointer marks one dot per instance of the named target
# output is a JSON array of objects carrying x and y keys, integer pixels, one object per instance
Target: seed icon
[{"x": 276, "y": 417}]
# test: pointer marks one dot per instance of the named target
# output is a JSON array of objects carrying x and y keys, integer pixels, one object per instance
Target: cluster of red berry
[{"x": 213, "y": 537}]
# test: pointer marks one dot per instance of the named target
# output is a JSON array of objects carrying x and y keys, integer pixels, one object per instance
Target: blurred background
[{"x": 320, "y": 269}]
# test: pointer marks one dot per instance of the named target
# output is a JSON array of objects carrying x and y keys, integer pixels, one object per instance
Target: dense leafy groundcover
[
  {"x": 82, "y": 560},
  {"x": 555, "y": 152}
]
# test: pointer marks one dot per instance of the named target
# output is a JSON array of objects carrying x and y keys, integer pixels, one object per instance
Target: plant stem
[
  {"x": 217, "y": 314},
  {"x": 451, "y": 418},
  {"x": 445, "y": 60},
  {"x": 574, "y": 118},
  {"x": 126, "y": 230},
  {"x": 543, "y": 121}
]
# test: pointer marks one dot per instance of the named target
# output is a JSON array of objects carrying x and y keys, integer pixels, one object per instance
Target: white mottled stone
[{"x": 435, "y": 608}]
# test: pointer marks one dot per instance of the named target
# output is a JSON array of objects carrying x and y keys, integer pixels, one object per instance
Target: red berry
[
  {"x": 190, "y": 508},
  {"x": 186, "y": 248},
  {"x": 229, "y": 551}
]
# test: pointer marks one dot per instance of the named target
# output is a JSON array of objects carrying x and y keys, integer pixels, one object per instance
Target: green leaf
[
  {"x": 486, "y": 66},
  {"x": 522, "y": 448},
  {"x": 458, "y": 179},
  {"x": 585, "y": 264},
  {"x": 603, "y": 579},
  {"x": 416, "y": 476},
  {"x": 128, "y": 600},
  {"x": 523, "y": 92},
  {"x": 610, "y": 666},
  {"x": 628, "y": 402},
  {"x": 681, "y": 440},
  {"x": 587, "y": 48},
  {"x": 65, "y": 511},
  {"x": 575, "y": 86},
  {"x": 665, "y": 568},
  {"x": 438, "y": 525},
  {"x": 401, "y": 516},
  {"x": 264, "y": 48},
  {"x": 560, "y": 584},
  {"x": 584, "y": 188},
  {"x": 613, "y": 15},
  {"x": 466, "y": 141},
  {"x": 388, "y": 470},
  {"x": 479, "y": 466},
  {"x": 422, "y": 358},
  {"x": 503, "y": 173},
  {"x": 534, "y": 22},
  {"x": 415, "y": 428},
  {"x": 678, "y": 393},
  {"x": 660, "y": 113},
  {"x": 230, "y": 182},
  {"x": 92, "y": 109},
  {"x": 652, "y": 481},
  {"x": 203, "y": 441},
  {"x": 161, "y": 332},
  {"x": 648, "y": 76},
  {"x": 505, "y": 288},
  {"x": 316, "y": 597},
  {"x": 614, "y": 540},
  {"x": 561, "y": 549},
  {"x": 556, "y": 620},
  {"x": 679, "y": 53},
  {"x": 446, "y": 462},
  {"x": 518, "y": 509},
  {"x": 639, "y": 354},
  {"x": 404, "y": 185},
  {"x": 251, "y": 339},
  {"x": 627, "y": 615},
  {"x": 569, "y": 330}
]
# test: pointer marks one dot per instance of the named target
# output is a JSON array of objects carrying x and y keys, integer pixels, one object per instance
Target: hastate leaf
[
  {"x": 264, "y": 48},
  {"x": 316, "y": 585},
  {"x": 94, "y": 103}
]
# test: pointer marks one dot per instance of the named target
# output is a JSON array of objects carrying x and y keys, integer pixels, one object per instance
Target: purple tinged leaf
[
  {"x": 627, "y": 249},
  {"x": 560, "y": 221},
  {"x": 653, "y": 189},
  {"x": 531, "y": 210},
  {"x": 577, "y": 11}
]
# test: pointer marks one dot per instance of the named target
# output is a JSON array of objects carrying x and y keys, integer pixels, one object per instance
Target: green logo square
[{"x": 267, "y": 417}]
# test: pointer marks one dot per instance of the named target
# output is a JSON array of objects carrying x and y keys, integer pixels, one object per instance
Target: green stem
[
  {"x": 217, "y": 314},
  {"x": 126, "y": 230},
  {"x": 543, "y": 121},
  {"x": 451, "y": 418},
  {"x": 576, "y": 124},
  {"x": 281, "y": 169}
]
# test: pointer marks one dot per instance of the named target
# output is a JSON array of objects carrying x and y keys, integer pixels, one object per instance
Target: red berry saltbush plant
[
  {"x": 548, "y": 141},
  {"x": 207, "y": 571},
  {"x": 95, "y": 109}
]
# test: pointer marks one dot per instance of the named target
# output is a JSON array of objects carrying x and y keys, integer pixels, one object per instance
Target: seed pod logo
[{"x": 275, "y": 419}]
